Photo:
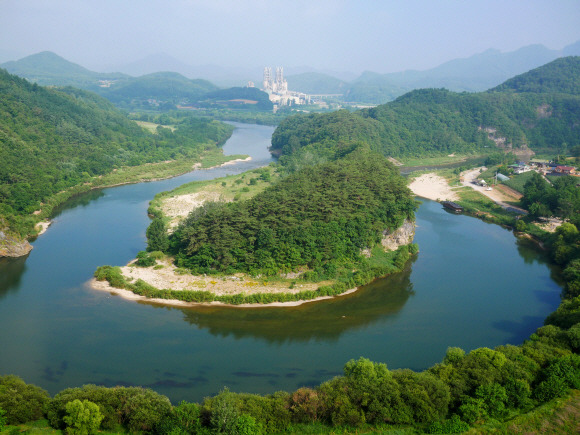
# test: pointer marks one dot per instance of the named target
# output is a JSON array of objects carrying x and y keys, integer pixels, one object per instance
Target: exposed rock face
[
  {"x": 11, "y": 246},
  {"x": 401, "y": 236},
  {"x": 391, "y": 241}
]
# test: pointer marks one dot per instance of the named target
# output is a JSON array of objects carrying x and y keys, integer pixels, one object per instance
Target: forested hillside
[
  {"x": 432, "y": 122},
  {"x": 559, "y": 76},
  {"x": 320, "y": 217},
  {"x": 51, "y": 140}
]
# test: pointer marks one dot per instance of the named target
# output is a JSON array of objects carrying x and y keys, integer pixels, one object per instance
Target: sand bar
[
  {"x": 433, "y": 186},
  {"x": 167, "y": 278}
]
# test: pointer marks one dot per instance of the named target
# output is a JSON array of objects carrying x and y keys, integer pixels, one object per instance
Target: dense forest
[
  {"x": 320, "y": 217},
  {"x": 432, "y": 122},
  {"x": 54, "y": 139}
]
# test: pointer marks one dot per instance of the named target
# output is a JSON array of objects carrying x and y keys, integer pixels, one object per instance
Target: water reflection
[
  {"x": 11, "y": 271},
  {"x": 81, "y": 200},
  {"x": 327, "y": 320}
]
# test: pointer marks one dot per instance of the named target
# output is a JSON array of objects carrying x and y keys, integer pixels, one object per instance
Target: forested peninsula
[
  {"x": 323, "y": 224},
  {"x": 59, "y": 142}
]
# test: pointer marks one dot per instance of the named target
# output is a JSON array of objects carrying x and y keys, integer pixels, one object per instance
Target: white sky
[{"x": 342, "y": 35}]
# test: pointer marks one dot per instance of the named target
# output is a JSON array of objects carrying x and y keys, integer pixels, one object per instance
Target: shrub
[
  {"x": 106, "y": 398},
  {"x": 224, "y": 413},
  {"x": 83, "y": 418},
  {"x": 156, "y": 233},
  {"x": 184, "y": 418},
  {"x": 2, "y": 419},
  {"x": 558, "y": 377},
  {"x": 494, "y": 397},
  {"x": 21, "y": 402},
  {"x": 144, "y": 259},
  {"x": 453, "y": 425},
  {"x": 144, "y": 409}
]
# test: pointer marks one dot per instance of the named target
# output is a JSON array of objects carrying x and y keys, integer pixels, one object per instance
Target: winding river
[{"x": 472, "y": 284}]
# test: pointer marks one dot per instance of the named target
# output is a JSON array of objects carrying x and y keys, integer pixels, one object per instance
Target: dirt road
[{"x": 499, "y": 194}]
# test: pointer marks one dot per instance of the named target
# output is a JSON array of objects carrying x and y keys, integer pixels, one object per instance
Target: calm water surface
[{"x": 472, "y": 285}]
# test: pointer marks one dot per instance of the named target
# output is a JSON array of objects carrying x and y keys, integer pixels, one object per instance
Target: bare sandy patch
[
  {"x": 42, "y": 227},
  {"x": 178, "y": 207},
  {"x": 433, "y": 186},
  {"x": 232, "y": 162}
]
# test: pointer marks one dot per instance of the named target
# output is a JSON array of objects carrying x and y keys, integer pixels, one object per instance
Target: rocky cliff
[
  {"x": 12, "y": 246},
  {"x": 401, "y": 236}
]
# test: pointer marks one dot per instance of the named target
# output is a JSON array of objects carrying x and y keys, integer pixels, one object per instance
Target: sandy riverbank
[
  {"x": 433, "y": 186},
  {"x": 42, "y": 227},
  {"x": 167, "y": 278}
]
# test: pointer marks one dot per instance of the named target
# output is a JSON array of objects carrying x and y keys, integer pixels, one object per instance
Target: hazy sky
[{"x": 341, "y": 35}]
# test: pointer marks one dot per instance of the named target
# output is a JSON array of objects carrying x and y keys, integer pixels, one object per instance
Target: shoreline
[
  {"x": 130, "y": 296},
  {"x": 196, "y": 167},
  {"x": 42, "y": 226}
]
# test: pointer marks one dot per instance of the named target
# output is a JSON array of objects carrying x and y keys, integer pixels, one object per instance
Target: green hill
[
  {"x": 431, "y": 122},
  {"x": 49, "y": 69},
  {"x": 54, "y": 139},
  {"x": 163, "y": 87},
  {"x": 237, "y": 98},
  {"x": 559, "y": 76}
]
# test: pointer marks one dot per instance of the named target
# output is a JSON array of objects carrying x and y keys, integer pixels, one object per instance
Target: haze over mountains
[{"x": 476, "y": 73}]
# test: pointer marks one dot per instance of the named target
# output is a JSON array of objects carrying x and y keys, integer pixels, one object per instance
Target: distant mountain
[
  {"x": 316, "y": 83},
  {"x": 476, "y": 73},
  {"x": 153, "y": 64},
  {"x": 171, "y": 88},
  {"x": 163, "y": 62},
  {"x": 47, "y": 68},
  {"x": 167, "y": 87},
  {"x": 559, "y": 76}
]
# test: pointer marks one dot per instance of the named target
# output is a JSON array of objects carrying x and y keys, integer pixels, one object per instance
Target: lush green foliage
[
  {"x": 560, "y": 76},
  {"x": 22, "y": 402},
  {"x": 561, "y": 198},
  {"x": 2, "y": 419},
  {"x": 52, "y": 140},
  {"x": 83, "y": 418},
  {"x": 320, "y": 217},
  {"x": 138, "y": 409}
]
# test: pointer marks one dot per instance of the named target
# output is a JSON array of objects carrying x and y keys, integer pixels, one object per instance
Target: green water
[{"x": 472, "y": 285}]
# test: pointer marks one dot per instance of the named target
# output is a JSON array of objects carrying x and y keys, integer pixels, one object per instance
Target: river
[{"x": 472, "y": 284}]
